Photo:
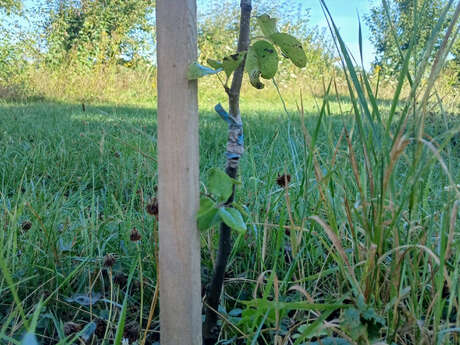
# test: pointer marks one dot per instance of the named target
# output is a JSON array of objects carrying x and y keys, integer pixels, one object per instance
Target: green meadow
[
  {"x": 76, "y": 181},
  {"x": 349, "y": 187}
]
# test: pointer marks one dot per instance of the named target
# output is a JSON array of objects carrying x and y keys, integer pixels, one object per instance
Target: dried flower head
[
  {"x": 283, "y": 180},
  {"x": 152, "y": 207},
  {"x": 135, "y": 235},
  {"x": 109, "y": 260},
  {"x": 131, "y": 331},
  {"x": 26, "y": 226}
]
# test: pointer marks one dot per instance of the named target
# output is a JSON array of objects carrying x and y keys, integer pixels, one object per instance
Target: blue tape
[
  {"x": 232, "y": 155},
  {"x": 232, "y": 125},
  {"x": 226, "y": 117},
  {"x": 223, "y": 114},
  {"x": 241, "y": 139}
]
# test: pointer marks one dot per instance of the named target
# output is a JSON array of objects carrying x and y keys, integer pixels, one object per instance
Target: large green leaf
[
  {"x": 232, "y": 218},
  {"x": 207, "y": 215},
  {"x": 219, "y": 184},
  {"x": 232, "y": 62},
  {"x": 253, "y": 68},
  {"x": 195, "y": 71},
  {"x": 267, "y": 58},
  {"x": 267, "y": 24},
  {"x": 291, "y": 47}
]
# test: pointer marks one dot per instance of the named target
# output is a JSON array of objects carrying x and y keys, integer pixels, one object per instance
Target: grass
[
  {"x": 351, "y": 204},
  {"x": 75, "y": 183}
]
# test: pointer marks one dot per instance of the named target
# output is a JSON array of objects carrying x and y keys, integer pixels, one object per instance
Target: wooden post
[{"x": 178, "y": 160}]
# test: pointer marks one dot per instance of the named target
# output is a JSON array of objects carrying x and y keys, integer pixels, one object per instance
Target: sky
[{"x": 345, "y": 15}]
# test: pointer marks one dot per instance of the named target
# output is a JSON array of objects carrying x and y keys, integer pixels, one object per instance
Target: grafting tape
[{"x": 235, "y": 142}]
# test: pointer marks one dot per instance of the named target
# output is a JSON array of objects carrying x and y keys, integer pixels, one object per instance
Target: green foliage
[
  {"x": 390, "y": 216},
  {"x": 291, "y": 48},
  {"x": 219, "y": 184},
  {"x": 213, "y": 209},
  {"x": 267, "y": 58},
  {"x": 10, "y": 5},
  {"x": 207, "y": 214},
  {"x": 362, "y": 325},
  {"x": 267, "y": 24},
  {"x": 261, "y": 58},
  {"x": 75, "y": 169},
  {"x": 97, "y": 31},
  {"x": 214, "y": 63},
  {"x": 195, "y": 71},
  {"x": 233, "y": 218},
  {"x": 401, "y": 18},
  {"x": 253, "y": 68},
  {"x": 232, "y": 62}
]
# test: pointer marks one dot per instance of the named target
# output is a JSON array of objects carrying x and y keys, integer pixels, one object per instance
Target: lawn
[{"x": 353, "y": 247}]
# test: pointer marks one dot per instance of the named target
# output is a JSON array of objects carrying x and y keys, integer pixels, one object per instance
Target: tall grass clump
[{"x": 386, "y": 222}]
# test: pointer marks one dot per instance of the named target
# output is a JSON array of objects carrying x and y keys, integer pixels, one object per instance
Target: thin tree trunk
[{"x": 235, "y": 148}]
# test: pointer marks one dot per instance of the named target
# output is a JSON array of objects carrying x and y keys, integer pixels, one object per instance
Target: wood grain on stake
[{"x": 180, "y": 286}]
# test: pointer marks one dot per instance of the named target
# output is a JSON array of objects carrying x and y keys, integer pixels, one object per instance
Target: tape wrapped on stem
[{"x": 235, "y": 142}]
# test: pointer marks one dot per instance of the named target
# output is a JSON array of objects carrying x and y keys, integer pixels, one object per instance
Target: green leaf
[
  {"x": 253, "y": 69},
  {"x": 352, "y": 323},
  {"x": 124, "y": 308},
  {"x": 267, "y": 58},
  {"x": 195, "y": 71},
  {"x": 215, "y": 64},
  {"x": 373, "y": 321},
  {"x": 206, "y": 216},
  {"x": 291, "y": 47},
  {"x": 232, "y": 218},
  {"x": 232, "y": 62},
  {"x": 219, "y": 184},
  {"x": 267, "y": 24}
]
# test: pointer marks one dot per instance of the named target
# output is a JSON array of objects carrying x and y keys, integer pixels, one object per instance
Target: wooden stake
[{"x": 178, "y": 159}]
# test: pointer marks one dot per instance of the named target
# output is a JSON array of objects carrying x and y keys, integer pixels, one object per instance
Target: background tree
[
  {"x": 10, "y": 5},
  {"x": 98, "y": 31},
  {"x": 405, "y": 15}
]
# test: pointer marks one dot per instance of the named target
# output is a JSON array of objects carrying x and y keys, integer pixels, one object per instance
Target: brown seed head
[
  {"x": 26, "y": 226},
  {"x": 131, "y": 331},
  {"x": 283, "y": 180},
  {"x": 152, "y": 207},
  {"x": 109, "y": 260},
  {"x": 135, "y": 235}
]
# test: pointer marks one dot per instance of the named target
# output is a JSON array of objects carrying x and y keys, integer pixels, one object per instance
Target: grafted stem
[{"x": 235, "y": 149}]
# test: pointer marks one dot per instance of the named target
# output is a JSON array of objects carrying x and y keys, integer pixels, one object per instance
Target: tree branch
[{"x": 235, "y": 148}]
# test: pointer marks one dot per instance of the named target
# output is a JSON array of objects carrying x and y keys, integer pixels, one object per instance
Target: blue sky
[{"x": 345, "y": 15}]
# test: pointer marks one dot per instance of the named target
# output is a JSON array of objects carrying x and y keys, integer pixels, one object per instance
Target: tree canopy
[
  {"x": 97, "y": 31},
  {"x": 408, "y": 18},
  {"x": 10, "y": 5}
]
